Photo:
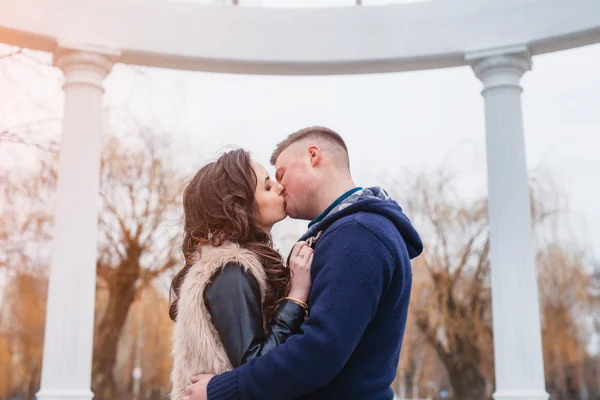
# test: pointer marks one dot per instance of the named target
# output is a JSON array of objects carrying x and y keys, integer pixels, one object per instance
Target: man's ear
[{"x": 315, "y": 155}]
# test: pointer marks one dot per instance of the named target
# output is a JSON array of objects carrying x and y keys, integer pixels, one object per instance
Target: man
[{"x": 350, "y": 344}]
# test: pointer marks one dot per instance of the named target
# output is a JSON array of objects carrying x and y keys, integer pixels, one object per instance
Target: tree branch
[
  {"x": 9, "y": 55},
  {"x": 103, "y": 271}
]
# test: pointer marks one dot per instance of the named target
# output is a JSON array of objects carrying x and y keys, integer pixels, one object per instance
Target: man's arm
[{"x": 352, "y": 270}]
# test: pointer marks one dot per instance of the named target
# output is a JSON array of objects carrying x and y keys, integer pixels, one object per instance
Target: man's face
[{"x": 297, "y": 176}]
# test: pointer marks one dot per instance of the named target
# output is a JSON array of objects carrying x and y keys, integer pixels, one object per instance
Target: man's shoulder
[
  {"x": 366, "y": 219},
  {"x": 357, "y": 234},
  {"x": 362, "y": 223}
]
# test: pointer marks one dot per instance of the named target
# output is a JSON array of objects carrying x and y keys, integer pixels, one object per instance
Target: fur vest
[{"x": 197, "y": 347}]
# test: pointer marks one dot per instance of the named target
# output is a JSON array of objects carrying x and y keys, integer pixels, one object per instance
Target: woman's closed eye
[{"x": 268, "y": 184}]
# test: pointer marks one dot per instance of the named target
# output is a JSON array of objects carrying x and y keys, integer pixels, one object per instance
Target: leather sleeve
[{"x": 234, "y": 302}]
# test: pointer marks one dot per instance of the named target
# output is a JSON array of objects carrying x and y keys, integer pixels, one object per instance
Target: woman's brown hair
[{"x": 219, "y": 207}]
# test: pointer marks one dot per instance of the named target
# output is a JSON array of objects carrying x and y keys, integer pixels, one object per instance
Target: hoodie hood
[{"x": 372, "y": 200}]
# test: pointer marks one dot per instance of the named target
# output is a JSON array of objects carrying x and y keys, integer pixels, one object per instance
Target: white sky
[{"x": 391, "y": 122}]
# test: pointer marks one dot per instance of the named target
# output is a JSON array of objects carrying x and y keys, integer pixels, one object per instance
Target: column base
[
  {"x": 521, "y": 395},
  {"x": 65, "y": 395}
]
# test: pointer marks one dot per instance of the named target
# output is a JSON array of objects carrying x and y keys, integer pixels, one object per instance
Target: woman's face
[{"x": 269, "y": 198}]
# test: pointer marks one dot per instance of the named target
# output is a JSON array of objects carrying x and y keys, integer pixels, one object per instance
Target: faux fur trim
[{"x": 197, "y": 347}]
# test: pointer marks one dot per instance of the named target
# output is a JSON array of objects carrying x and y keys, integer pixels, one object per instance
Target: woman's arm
[{"x": 234, "y": 302}]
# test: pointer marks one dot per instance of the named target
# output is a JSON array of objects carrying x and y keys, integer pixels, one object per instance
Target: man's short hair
[{"x": 314, "y": 132}]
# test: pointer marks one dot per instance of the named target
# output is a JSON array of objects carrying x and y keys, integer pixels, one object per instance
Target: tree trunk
[
  {"x": 467, "y": 383},
  {"x": 34, "y": 379},
  {"x": 122, "y": 291},
  {"x": 400, "y": 379},
  {"x": 463, "y": 365},
  {"x": 416, "y": 378}
]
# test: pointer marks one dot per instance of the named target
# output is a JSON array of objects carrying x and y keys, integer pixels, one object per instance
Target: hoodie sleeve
[{"x": 351, "y": 270}]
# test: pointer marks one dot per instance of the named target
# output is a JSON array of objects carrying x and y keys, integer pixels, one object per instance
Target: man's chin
[
  {"x": 293, "y": 214},
  {"x": 289, "y": 211}
]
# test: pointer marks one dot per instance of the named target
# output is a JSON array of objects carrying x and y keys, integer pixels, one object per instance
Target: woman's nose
[{"x": 279, "y": 189}]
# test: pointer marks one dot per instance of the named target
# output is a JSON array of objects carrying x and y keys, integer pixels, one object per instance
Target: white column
[
  {"x": 68, "y": 341},
  {"x": 518, "y": 355}
]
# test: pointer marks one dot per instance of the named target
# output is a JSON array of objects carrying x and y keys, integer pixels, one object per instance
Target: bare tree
[
  {"x": 32, "y": 117},
  {"x": 146, "y": 346},
  {"x": 139, "y": 190},
  {"x": 452, "y": 309},
  {"x": 451, "y": 302},
  {"x": 27, "y": 181},
  {"x": 564, "y": 289},
  {"x": 26, "y": 188},
  {"x": 419, "y": 366},
  {"x": 23, "y": 331}
]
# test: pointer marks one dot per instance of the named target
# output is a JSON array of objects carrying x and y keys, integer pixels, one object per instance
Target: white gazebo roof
[{"x": 336, "y": 40}]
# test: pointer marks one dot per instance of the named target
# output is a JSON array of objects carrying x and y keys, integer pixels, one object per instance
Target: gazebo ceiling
[{"x": 337, "y": 40}]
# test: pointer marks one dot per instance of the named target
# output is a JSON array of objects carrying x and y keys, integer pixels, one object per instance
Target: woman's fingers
[
  {"x": 309, "y": 262},
  {"x": 306, "y": 253},
  {"x": 297, "y": 247}
]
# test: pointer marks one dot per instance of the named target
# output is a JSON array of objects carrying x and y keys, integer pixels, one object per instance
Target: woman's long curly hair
[{"x": 219, "y": 207}]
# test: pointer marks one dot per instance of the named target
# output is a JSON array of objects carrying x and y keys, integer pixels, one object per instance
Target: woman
[{"x": 234, "y": 299}]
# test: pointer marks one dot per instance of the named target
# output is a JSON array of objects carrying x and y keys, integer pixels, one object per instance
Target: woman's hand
[{"x": 300, "y": 263}]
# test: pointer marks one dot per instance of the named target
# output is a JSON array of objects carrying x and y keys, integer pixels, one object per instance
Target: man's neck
[{"x": 339, "y": 188}]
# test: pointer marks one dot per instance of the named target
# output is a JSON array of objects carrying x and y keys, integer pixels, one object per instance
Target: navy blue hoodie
[{"x": 350, "y": 345}]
